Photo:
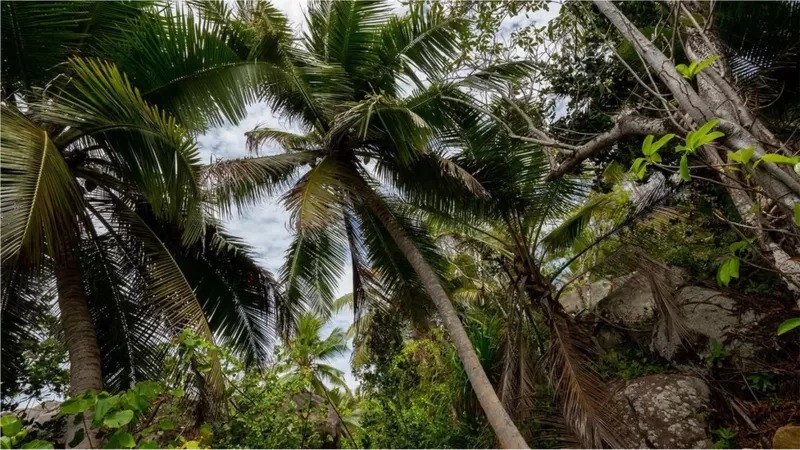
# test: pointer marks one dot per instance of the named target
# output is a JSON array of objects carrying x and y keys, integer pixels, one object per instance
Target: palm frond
[
  {"x": 316, "y": 199},
  {"x": 344, "y": 32},
  {"x": 147, "y": 147},
  {"x": 288, "y": 141},
  {"x": 40, "y": 199},
  {"x": 186, "y": 65},
  {"x": 423, "y": 41},
  {"x": 564, "y": 235},
  {"x": 168, "y": 288},
  {"x": 38, "y": 37},
  {"x": 243, "y": 182},
  {"x": 583, "y": 396},
  {"x": 312, "y": 270}
]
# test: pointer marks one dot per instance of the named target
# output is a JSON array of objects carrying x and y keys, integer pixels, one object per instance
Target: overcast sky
[{"x": 266, "y": 227}]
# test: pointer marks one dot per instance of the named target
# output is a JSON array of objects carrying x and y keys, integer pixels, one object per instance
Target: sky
[{"x": 265, "y": 227}]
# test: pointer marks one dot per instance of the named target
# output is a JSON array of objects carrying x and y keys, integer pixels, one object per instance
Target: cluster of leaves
[
  {"x": 409, "y": 400},
  {"x": 695, "y": 67},
  {"x": 14, "y": 434},
  {"x": 630, "y": 362},
  {"x": 692, "y": 143},
  {"x": 270, "y": 411}
]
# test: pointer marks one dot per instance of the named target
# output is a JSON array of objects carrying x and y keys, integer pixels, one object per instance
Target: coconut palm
[
  {"x": 102, "y": 192},
  {"x": 535, "y": 230},
  {"x": 368, "y": 90},
  {"x": 308, "y": 353}
]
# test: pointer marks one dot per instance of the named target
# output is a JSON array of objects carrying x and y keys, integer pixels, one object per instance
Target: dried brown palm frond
[
  {"x": 583, "y": 396},
  {"x": 664, "y": 282},
  {"x": 516, "y": 385}
]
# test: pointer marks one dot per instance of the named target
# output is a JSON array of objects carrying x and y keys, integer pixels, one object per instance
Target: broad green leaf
[
  {"x": 177, "y": 392},
  {"x": 705, "y": 63},
  {"x": 647, "y": 145},
  {"x": 104, "y": 404},
  {"x": 788, "y": 325},
  {"x": 662, "y": 142},
  {"x": 685, "y": 168},
  {"x": 75, "y": 405},
  {"x": 5, "y": 442},
  {"x": 642, "y": 171},
  {"x": 167, "y": 424},
  {"x": 778, "y": 159},
  {"x": 11, "y": 425},
  {"x": 118, "y": 419},
  {"x": 742, "y": 156},
  {"x": 738, "y": 245},
  {"x": 728, "y": 270},
  {"x": 148, "y": 444},
  {"x": 683, "y": 69},
  {"x": 121, "y": 439},
  {"x": 38, "y": 443},
  {"x": 797, "y": 214},
  {"x": 705, "y": 139},
  {"x": 708, "y": 126},
  {"x": 191, "y": 444},
  {"x": 148, "y": 389}
]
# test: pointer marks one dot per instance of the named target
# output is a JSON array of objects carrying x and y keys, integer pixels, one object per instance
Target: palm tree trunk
[
  {"x": 505, "y": 429},
  {"x": 79, "y": 334}
]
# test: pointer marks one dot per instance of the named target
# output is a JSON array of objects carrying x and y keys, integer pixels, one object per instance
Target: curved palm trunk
[
  {"x": 505, "y": 429},
  {"x": 79, "y": 334}
]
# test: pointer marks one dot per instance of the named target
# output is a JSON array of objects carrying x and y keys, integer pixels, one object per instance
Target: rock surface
[
  {"x": 787, "y": 436},
  {"x": 665, "y": 411},
  {"x": 709, "y": 315}
]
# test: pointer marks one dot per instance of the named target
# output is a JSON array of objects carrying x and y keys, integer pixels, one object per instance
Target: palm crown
[
  {"x": 368, "y": 89},
  {"x": 102, "y": 192}
]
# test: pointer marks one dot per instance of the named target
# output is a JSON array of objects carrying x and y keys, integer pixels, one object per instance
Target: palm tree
[
  {"x": 535, "y": 229},
  {"x": 101, "y": 187},
  {"x": 307, "y": 354},
  {"x": 369, "y": 90}
]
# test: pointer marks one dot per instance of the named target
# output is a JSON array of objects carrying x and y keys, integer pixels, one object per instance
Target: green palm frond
[
  {"x": 140, "y": 140},
  {"x": 316, "y": 199},
  {"x": 185, "y": 65},
  {"x": 168, "y": 287},
  {"x": 312, "y": 270},
  {"x": 344, "y": 32},
  {"x": 129, "y": 332},
  {"x": 423, "y": 41},
  {"x": 288, "y": 141},
  {"x": 246, "y": 181},
  {"x": 40, "y": 199},
  {"x": 565, "y": 234}
]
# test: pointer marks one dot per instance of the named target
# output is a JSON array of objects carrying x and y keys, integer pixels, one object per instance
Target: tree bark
[
  {"x": 505, "y": 429},
  {"x": 79, "y": 334}
]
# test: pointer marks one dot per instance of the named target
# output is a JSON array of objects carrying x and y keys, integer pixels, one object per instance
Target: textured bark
[
  {"x": 505, "y": 429},
  {"x": 79, "y": 334},
  {"x": 626, "y": 125}
]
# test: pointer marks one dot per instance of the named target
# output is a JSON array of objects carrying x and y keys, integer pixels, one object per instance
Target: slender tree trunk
[
  {"x": 505, "y": 429},
  {"x": 80, "y": 337}
]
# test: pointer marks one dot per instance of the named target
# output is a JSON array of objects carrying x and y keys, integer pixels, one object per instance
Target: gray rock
[
  {"x": 665, "y": 411},
  {"x": 626, "y": 300},
  {"x": 709, "y": 315}
]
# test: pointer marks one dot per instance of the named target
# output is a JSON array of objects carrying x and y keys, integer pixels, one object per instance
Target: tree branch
[{"x": 626, "y": 125}]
